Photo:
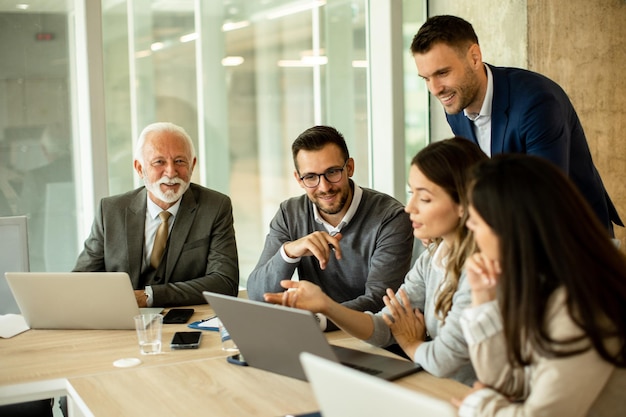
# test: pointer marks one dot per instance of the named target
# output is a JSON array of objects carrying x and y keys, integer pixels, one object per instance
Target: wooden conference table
[{"x": 79, "y": 363}]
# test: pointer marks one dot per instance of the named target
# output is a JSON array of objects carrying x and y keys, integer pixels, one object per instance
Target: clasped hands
[{"x": 406, "y": 323}]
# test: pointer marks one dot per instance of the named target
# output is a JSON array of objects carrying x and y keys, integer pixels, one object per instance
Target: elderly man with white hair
[{"x": 175, "y": 239}]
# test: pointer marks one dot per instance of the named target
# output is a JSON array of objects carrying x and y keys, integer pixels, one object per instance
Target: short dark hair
[
  {"x": 550, "y": 238},
  {"x": 450, "y": 30},
  {"x": 315, "y": 138}
]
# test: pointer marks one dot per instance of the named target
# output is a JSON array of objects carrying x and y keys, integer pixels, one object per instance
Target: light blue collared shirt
[{"x": 482, "y": 120}]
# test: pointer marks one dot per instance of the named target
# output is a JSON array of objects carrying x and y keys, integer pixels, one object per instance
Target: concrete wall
[
  {"x": 579, "y": 44},
  {"x": 582, "y": 46}
]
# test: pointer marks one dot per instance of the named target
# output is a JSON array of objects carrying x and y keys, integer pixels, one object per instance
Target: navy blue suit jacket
[{"x": 532, "y": 114}]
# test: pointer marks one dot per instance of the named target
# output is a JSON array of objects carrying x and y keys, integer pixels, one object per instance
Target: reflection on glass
[
  {"x": 36, "y": 177},
  {"x": 244, "y": 79},
  {"x": 415, "y": 92}
]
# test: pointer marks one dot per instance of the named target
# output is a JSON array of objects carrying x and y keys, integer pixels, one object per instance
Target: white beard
[{"x": 169, "y": 196}]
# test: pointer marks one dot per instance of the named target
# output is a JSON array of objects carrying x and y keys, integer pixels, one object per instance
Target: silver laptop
[
  {"x": 75, "y": 300},
  {"x": 271, "y": 337},
  {"x": 343, "y": 392}
]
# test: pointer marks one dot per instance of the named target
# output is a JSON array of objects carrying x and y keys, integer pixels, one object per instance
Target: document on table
[
  {"x": 212, "y": 323},
  {"x": 11, "y": 325}
]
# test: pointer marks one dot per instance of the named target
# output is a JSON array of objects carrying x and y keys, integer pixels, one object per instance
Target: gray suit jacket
[{"x": 201, "y": 253}]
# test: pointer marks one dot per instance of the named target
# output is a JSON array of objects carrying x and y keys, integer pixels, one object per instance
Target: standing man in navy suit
[{"x": 506, "y": 110}]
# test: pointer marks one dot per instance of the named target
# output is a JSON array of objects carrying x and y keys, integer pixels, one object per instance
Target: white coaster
[{"x": 126, "y": 362}]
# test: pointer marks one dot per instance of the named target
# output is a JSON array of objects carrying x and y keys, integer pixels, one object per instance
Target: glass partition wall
[
  {"x": 244, "y": 78},
  {"x": 36, "y": 149}
]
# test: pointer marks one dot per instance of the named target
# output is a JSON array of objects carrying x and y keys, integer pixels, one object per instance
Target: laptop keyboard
[{"x": 370, "y": 371}]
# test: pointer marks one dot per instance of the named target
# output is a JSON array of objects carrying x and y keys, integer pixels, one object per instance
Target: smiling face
[
  {"x": 458, "y": 80},
  {"x": 166, "y": 168},
  {"x": 484, "y": 236},
  {"x": 432, "y": 211},
  {"x": 332, "y": 199}
]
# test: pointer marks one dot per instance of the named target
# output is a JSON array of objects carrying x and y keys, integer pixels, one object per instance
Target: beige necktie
[{"x": 160, "y": 240}]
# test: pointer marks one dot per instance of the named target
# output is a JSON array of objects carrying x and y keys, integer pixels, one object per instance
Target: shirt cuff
[
  {"x": 149, "y": 294},
  {"x": 322, "y": 320},
  {"x": 471, "y": 404},
  {"x": 286, "y": 258},
  {"x": 481, "y": 322}
]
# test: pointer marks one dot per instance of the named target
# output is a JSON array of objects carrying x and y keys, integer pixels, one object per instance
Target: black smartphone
[
  {"x": 186, "y": 340},
  {"x": 177, "y": 315}
]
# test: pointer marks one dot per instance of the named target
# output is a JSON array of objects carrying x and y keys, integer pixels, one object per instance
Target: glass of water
[
  {"x": 148, "y": 328},
  {"x": 228, "y": 344}
]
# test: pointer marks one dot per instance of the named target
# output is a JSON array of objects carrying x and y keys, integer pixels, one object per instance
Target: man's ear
[
  {"x": 475, "y": 55},
  {"x": 296, "y": 175},
  {"x": 138, "y": 168},
  {"x": 350, "y": 167}
]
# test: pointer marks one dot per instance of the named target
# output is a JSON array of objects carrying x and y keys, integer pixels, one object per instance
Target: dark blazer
[
  {"x": 532, "y": 114},
  {"x": 201, "y": 252}
]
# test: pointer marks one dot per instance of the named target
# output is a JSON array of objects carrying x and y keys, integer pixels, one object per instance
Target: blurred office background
[{"x": 79, "y": 79}]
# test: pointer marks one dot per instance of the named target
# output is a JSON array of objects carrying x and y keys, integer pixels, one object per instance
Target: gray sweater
[
  {"x": 376, "y": 245},
  {"x": 446, "y": 355}
]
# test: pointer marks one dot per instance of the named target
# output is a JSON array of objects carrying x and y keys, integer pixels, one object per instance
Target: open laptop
[
  {"x": 271, "y": 337},
  {"x": 344, "y": 392},
  {"x": 75, "y": 300}
]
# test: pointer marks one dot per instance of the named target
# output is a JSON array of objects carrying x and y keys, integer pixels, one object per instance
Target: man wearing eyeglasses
[{"x": 353, "y": 242}]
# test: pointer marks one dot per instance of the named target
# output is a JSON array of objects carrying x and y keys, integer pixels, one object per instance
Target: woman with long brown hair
[{"x": 547, "y": 326}]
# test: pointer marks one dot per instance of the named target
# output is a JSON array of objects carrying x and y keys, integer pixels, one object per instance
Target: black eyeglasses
[{"x": 332, "y": 175}]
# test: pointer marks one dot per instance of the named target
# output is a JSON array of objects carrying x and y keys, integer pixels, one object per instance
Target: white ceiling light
[
  {"x": 294, "y": 8},
  {"x": 304, "y": 62},
  {"x": 189, "y": 37},
  {"x": 235, "y": 25},
  {"x": 232, "y": 61}
]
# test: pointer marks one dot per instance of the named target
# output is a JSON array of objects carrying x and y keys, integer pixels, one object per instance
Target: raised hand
[
  {"x": 299, "y": 294},
  {"x": 482, "y": 275}
]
